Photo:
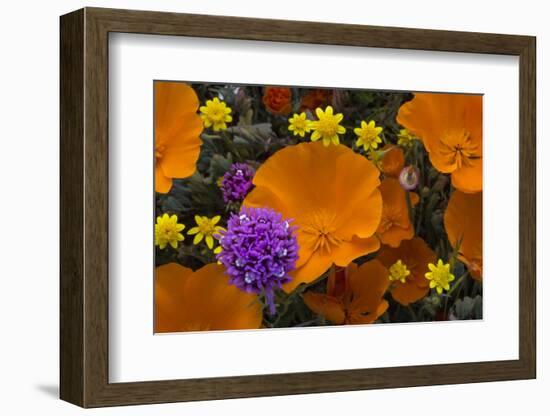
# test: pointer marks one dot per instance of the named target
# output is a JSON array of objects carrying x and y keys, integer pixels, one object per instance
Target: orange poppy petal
[
  {"x": 369, "y": 318},
  {"x": 419, "y": 116},
  {"x": 393, "y": 195},
  {"x": 416, "y": 255},
  {"x": 395, "y": 225},
  {"x": 202, "y": 300},
  {"x": 171, "y": 100},
  {"x": 261, "y": 197},
  {"x": 393, "y": 161},
  {"x": 355, "y": 220},
  {"x": 221, "y": 305},
  {"x": 327, "y": 306},
  {"x": 302, "y": 176},
  {"x": 469, "y": 178},
  {"x": 368, "y": 285},
  {"x": 408, "y": 292},
  {"x": 463, "y": 220},
  {"x": 345, "y": 253},
  {"x": 170, "y": 284},
  {"x": 395, "y": 235},
  {"x": 318, "y": 263},
  {"x": 162, "y": 183}
]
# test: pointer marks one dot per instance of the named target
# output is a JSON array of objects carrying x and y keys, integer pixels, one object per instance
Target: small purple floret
[
  {"x": 259, "y": 249},
  {"x": 237, "y": 182}
]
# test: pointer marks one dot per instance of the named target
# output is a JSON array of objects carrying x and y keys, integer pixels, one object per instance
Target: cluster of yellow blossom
[
  {"x": 439, "y": 274},
  {"x": 328, "y": 129},
  {"x": 167, "y": 231}
]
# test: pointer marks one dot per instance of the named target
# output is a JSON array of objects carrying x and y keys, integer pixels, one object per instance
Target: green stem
[
  {"x": 231, "y": 146},
  {"x": 457, "y": 284}
]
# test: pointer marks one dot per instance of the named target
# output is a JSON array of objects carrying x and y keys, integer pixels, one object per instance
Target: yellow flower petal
[{"x": 198, "y": 238}]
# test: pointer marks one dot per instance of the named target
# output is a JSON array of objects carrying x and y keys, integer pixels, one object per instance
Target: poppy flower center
[
  {"x": 321, "y": 228},
  {"x": 391, "y": 218},
  {"x": 458, "y": 148}
]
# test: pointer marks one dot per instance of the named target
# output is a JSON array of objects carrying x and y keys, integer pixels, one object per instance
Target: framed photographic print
[{"x": 281, "y": 207}]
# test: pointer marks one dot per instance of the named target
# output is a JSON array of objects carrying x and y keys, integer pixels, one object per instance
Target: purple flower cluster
[
  {"x": 259, "y": 249},
  {"x": 237, "y": 182}
]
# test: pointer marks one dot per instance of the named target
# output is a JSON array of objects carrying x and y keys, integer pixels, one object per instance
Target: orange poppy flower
[
  {"x": 450, "y": 126},
  {"x": 314, "y": 99},
  {"x": 355, "y": 295},
  {"x": 332, "y": 195},
  {"x": 201, "y": 301},
  {"x": 392, "y": 161},
  {"x": 463, "y": 223},
  {"x": 395, "y": 225},
  {"x": 278, "y": 100},
  {"x": 412, "y": 256},
  {"x": 177, "y": 131}
]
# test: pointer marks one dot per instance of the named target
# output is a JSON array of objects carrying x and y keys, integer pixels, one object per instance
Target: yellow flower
[
  {"x": 399, "y": 271},
  {"x": 327, "y": 127},
  {"x": 299, "y": 125},
  {"x": 206, "y": 228},
  {"x": 369, "y": 135},
  {"x": 167, "y": 231},
  {"x": 216, "y": 113},
  {"x": 405, "y": 138},
  {"x": 440, "y": 276}
]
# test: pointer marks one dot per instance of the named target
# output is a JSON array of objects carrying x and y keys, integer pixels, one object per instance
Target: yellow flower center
[
  {"x": 369, "y": 135},
  {"x": 327, "y": 126},
  {"x": 458, "y": 148},
  {"x": 207, "y": 227},
  {"x": 399, "y": 271},
  {"x": 300, "y": 123},
  {"x": 322, "y": 231},
  {"x": 216, "y": 112}
]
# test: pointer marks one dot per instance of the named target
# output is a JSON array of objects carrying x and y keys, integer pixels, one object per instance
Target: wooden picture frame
[{"x": 84, "y": 207}]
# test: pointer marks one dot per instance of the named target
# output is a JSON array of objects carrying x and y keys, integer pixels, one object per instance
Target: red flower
[
  {"x": 278, "y": 100},
  {"x": 314, "y": 99}
]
